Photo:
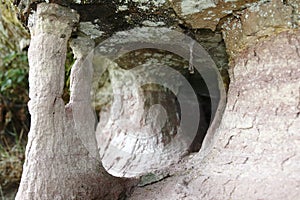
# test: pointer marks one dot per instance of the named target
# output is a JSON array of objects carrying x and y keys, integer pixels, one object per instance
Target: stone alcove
[
  {"x": 243, "y": 162},
  {"x": 173, "y": 87}
]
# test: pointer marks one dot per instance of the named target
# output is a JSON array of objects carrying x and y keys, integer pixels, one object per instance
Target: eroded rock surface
[
  {"x": 256, "y": 23},
  {"x": 61, "y": 157},
  {"x": 207, "y": 13},
  {"x": 256, "y": 154},
  {"x": 144, "y": 129}
]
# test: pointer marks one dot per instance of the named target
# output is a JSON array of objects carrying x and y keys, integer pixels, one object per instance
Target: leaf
[{"x": 5, "y": 85}]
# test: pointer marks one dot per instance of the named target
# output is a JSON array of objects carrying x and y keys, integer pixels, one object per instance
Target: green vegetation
[
  {"x": 11, "y": 164},
  {"x": 14, "y": 117},
  {"x": 14, "y": 77}
]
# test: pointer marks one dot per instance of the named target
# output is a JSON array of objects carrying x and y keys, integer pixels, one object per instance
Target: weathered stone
[
  {"x": 295, "y": 4},
  {"x": 61, "y": 154},
  {"x": 140, "y": 131},
  {"x": 206, "y": 13},
  {"x": 256, "y": 151},
  {"x": 132, "y": 142},
  {"x": 213, "y": 43},
  {"x": 261, "y": 152},
  {"x": 256, "y": 23}
]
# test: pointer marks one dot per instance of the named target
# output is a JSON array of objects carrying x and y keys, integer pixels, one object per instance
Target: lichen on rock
[{"x": 255, "y": 23}]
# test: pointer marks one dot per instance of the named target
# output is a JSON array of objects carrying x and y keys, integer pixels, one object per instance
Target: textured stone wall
[
  {"x": 61, "y": 157},
  {"x": 256, "y": 151},
  {"x": 254, "y": 154}
]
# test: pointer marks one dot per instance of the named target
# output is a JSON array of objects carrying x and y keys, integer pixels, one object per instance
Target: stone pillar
[{"x": 61, "y": 157}]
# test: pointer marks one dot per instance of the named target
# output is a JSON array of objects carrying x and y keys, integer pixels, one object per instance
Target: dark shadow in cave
[
  {"x": 204, "y": 102},
  {"x": 168, "y": 100}
]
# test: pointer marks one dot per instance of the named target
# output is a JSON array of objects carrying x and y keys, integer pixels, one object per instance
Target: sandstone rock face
[
  {"x": 62, "y": 161},
  {"x": 295, "y": 4},
  {"x": 207, "y": 13},
  {"x": 256, "y": 152},
  {"x": 243, "y": 23},
  {"x": 266, "y": 17},
  {"x": 256, "y": 23},
  {"x": 154, "y": 114}
]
